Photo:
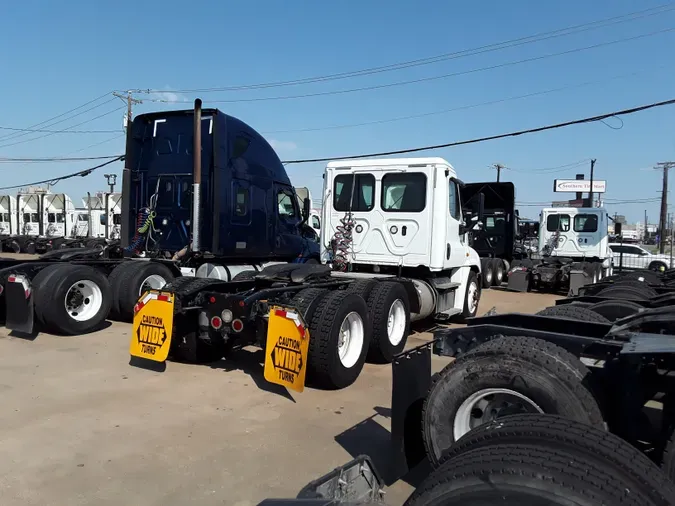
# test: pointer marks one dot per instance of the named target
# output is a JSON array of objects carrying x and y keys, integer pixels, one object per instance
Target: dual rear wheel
[{"x": 368, "y": 320}]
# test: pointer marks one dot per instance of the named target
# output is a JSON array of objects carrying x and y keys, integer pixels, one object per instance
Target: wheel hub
[{"x": 490, "y": 404}]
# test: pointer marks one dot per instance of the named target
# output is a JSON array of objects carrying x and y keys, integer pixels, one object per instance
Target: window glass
[
  {"x": 558, "y": 222},
  {"x": 316, "y": 223},
  {"x": 404, "y": 192},
  {"x": 51, "y": 218},
  {"x": 117, "y": 219},
  {"x": 5, "y": 216},
  {"x": 184, "y": 193},
  {"x": 586, "y": 223},
  {"x": 35, "y": 217},
  {"x": 454, "y": 201},
  {"x": 103, "y": 219},
  {"x": 285, "y": 204},
  {"x": 363, "y": 192},
  {"x": 495, "y": 224},
  {"x": 82, "y": 217},
  {"x": 241, "y": 202},
  {"x": 60, "y": 218}
]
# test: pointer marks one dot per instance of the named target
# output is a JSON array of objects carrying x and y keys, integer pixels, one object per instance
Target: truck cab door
[
  {"x": 288, "y": 240},
  {"x": 455, "y": 243}
]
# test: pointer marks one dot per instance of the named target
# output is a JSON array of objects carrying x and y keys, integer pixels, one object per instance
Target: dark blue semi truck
[{"x": 246, "y": 215}]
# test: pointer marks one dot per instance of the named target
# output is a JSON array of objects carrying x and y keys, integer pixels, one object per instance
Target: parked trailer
[
  {"x": 394, "y": 252},
  {"x": 573, "y": 251},
  {"x": 240, "y": 222}
]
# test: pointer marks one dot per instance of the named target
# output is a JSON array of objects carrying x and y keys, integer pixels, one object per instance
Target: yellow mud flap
[
  {"x": 152, "y": 327},
  {"x": 287, "y": 349}
]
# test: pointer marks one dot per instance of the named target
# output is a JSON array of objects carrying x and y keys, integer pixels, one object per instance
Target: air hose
[{"x": 144, "y": 222}]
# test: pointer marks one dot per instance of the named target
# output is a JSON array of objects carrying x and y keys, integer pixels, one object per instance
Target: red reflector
[
  {"x": 11, "y": 279},
  {"x": 164, "y": 298},
  {"x": 237, "y": 325},
  {"x": 212, "y": 300},
  {"x": 241, "y": 303},
  {"x": 216, "y": 322}
]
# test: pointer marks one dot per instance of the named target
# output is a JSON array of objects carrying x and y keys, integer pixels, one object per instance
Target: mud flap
[
  {"x": 519, "y": 280},
  {"x": 19, "y": 304},
  {"x": 578, "y": 278},
  {"x": 411, "y": 381}
]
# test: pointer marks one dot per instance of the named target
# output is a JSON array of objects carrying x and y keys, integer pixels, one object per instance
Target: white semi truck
[{"x": 573, "y": 251}]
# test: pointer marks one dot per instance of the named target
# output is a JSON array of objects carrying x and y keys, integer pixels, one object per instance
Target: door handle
[{"x": 447, "y": 252}]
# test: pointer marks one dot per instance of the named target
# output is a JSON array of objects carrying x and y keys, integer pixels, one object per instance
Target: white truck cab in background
[{"x": 402, "y": 217}]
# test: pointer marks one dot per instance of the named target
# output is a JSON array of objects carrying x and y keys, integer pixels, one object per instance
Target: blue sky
[{"x": 58, "y": 55}]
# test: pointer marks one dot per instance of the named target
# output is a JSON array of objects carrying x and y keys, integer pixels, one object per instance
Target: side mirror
[
  {"x": 306, "y": 208},
  {"x": 478, "y": 207},
  {"x": 617, "y": 229}
]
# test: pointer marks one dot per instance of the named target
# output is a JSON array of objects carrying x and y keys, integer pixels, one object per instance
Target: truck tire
[
  {"x": 306, "y": 302},
  {"x": 40, "y": 279},
  {"x": 636, "y": 285},
  {"x": 134, "y": 280},
  {"x": 75, "y": 299},
  {"x": 532, "y": 375},
  {"x": 668, "y": 461},
  {"x": 614, "y": 310},
  {"x": 362, "y": 287},
  {"x": 487, "y": 272},
  {"x": 643, "y": 275},
  {"x": 622, "y": 292},
  {"x": 513, "y": 475},
  {"x": 390, "y": 317},
  {"x": 471, "y": 297},
  {"x": 497, "y": 272},
  {"x": 244, "y": 276},
  {"x": 335, "y": 359},
  {"x": 583, "y": 441},
  {"x": 573, "y": 312}
]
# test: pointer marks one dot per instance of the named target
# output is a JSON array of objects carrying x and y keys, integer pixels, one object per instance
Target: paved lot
[{"x": 78, "y": 425}]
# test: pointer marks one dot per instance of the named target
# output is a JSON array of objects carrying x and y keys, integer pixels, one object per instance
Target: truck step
[
  {"x": 444, "y": 284},
  {"x": 447, "y": 314}
]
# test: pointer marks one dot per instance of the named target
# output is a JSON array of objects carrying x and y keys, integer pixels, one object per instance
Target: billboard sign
[{"x": 579, "y": 185}]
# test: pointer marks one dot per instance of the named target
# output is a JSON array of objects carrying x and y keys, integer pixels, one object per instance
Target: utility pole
[
  {"x": 664, "y": 204},
  {"x": 130, "y": 101},
  {"x": 590, "y": 193},
  {"x": 498, "y": 167},
  {"x": 126, "y": 172},
  {"x": 646, "y": 233},
  {"x": 112, "y": 180}
]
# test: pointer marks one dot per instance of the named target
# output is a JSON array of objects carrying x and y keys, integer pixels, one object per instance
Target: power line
[
  {"x": 63, "y": 130},
  {"x": 661, "y": 9},
  {"x": 50, "y": 120},
  {"x": 465, "y": 107},
  {"x": 58, "y": 159},
  {"x": 589, "y": 119},
  {"x": 431, "y": 78},
  {"x": 551, "y": 170},
  {"x": 53, "y": 181},
  {"x": 37, "y": 130}
]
